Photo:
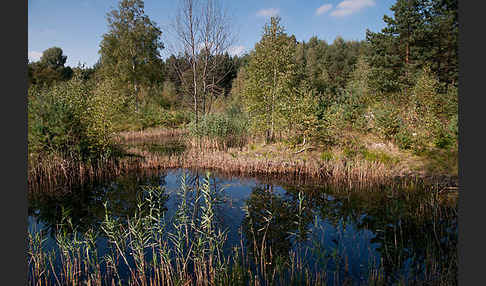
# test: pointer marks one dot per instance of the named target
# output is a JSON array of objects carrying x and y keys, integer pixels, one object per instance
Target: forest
[{"x": 327, "y": 102}]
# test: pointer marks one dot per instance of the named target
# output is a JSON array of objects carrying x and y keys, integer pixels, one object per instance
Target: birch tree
[
  {"x": 202, "y": 35},
  {"x": 271, "y": 80},
  {"x": 130, "y": 50}
]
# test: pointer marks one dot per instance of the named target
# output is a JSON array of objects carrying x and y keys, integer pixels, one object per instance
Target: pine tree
[
  {"x": 421, "y": 32},
  {"x": 396, "y": 49}
]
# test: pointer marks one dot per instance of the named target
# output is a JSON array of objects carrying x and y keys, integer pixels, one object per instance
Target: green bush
[
  {"x": 152, "y": 115},
  {"x": 179, "y": 117},
  {"x": 404, "y": 139},
  {"x": 446, "y": 134},
  {"x": 353, "y": 105},
  {"x": 219, "y": 125},
  {"x": 454, "y": 126},
  {"x": 70, "y": 119},
  {"x": 331, "y": 125},
  {"x": 387, "y": 120}
]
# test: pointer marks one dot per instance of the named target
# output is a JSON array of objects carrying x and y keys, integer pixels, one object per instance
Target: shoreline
[{"x": 303, "y": 168}]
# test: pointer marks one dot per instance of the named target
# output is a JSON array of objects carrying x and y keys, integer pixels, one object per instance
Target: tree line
[{"x": 400, "y": 82}]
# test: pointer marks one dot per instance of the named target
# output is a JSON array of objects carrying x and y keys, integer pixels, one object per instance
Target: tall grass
[
  {"x": 220, "y": 130},
  {"x": 189, "y": 248}
]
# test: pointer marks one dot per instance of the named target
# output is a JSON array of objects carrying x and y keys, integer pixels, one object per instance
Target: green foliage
[
  {"x": 419, "y": 32},
  {"x": 387, "y": 120},
  {"x": 302, "y": 113},
  {"x": 444, "y": 140},
  {"x": 271, "y": 80},
  {"x": 454, "y": 126},
  {"x": 70, "y": 119},
  {"x": 168, "y": 98},
  {"x": 404, "y": 139},
  {"x": 327, "y": 155},
  {"x": 130, "y": 50},
  {"x": 53, "y": 58},
  {"x": 151, "y": 116},
  {"x": 425, "y": 95},
  {"x": 332, "y": 125},
  {"x": 219, "y": 126},
  {"x": 378, "y": 156},
  {"x": 50, "y": 68}
]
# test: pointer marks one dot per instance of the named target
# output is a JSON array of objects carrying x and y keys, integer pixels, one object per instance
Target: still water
[{"x": 406, "y": 234}]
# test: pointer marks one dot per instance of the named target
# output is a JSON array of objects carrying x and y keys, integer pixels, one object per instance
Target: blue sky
[{"x": 77, "y": 26}]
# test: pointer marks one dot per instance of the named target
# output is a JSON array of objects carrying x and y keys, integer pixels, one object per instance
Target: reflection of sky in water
[{"x": 343, "y": 238}]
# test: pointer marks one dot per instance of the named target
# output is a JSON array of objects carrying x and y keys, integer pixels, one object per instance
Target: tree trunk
[{"x": 272, "y": 136}]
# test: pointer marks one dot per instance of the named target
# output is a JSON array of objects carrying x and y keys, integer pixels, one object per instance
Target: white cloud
[
  {"x": 236, "y": 50},
  {"x": 34, "y": 56},
  {"x": 349, "y": 7},
  {"x": 268, "y": 12},
  {"x": 323, "y": 9}
]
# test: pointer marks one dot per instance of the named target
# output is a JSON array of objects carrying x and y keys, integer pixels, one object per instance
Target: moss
[
  {"x": 327, "y": 156},
  {"x": 379, "y": 156}
]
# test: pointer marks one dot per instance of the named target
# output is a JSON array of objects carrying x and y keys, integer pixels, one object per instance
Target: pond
[{"x": 250, "y": 229}]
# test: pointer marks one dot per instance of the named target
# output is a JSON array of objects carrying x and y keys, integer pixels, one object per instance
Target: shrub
[
  {"x": 425, "y": 93},
  {"x": 178, "y": 118},
  {"x": 152, "y": 115},
  {"x": 404, "y": 139},
  {"x": 218, "y": 126},
  {"x": 71, "y": 120},
  {"x": 353, "y": 105},
  {"x": 454, "y": 126},
  {"x": 331, "y": 125},
  {"x": 446, "y": 135},
  {"x": 387, "y": 120}
]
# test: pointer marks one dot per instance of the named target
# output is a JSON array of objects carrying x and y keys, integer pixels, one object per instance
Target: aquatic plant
[{"x": 282, "y": 241}]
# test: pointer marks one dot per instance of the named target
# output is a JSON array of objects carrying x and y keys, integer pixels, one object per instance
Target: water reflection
[
  {"x": 85, "y": 203},
  {"x": 404, "y": 233}
]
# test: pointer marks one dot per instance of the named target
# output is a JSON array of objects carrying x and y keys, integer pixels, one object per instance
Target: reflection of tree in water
[
  {"x": 410, "y": 228},
  {"x": 274, "y": 218},
  {"x": 85, "y": 203},
  {"x": 416, "y": 231}
]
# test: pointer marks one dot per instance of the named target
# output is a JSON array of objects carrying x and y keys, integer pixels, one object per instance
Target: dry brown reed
[{"x": 211, "y": 154}]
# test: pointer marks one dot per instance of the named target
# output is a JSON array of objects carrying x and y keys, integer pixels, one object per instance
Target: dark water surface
[{"x": 404, "y": 233}]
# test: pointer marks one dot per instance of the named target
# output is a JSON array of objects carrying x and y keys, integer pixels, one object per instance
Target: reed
[
  {"x": 188, "y": 248},
  {"x": 140, "y": 147}
]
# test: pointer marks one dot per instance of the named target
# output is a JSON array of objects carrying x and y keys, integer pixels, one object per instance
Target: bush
[
  {"x": 331, "y": 125},
  {"x": 219, "y": 126},
  {"x": 454, "y": 126},
  {"x": 70, "y": 119},
  {"x": 152, "y": 115},
  {"x": 387, "y": 120},
  {"x": 178, "y": 118},
  {"x": 447, "y": 134},
  {"x": 404, "y": 139}
]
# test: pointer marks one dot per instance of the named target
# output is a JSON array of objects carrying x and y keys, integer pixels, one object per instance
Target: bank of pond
[{"x": 192, "y": 227}]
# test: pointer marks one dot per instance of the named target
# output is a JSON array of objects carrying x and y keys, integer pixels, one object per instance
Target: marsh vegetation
[
  {"x": 333, "y": 163},
  {"x": 179, "y": 227}
]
